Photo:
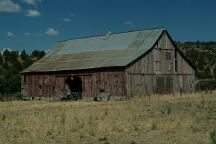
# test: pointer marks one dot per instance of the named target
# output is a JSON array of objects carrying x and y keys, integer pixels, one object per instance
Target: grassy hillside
[{"x": 168, "y": 120}]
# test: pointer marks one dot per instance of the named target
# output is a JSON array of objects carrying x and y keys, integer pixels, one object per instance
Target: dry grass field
[{"x": 167, "y": 120}]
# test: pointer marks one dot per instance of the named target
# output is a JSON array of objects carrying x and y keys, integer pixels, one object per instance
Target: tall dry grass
[{"x": 164, "y": 119}]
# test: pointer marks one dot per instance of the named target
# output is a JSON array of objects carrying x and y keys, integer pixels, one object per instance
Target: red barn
[{"x": 122, "y": 64}]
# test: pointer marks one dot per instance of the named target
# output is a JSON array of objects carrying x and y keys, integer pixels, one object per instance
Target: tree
[
  {"x": 1, "y": 59},
  {"x": 214, "y": 72},
  {"x": 17, "y": 65},
  {"x": 5, "y": 65},
  {"x": 24, "y": 55},
  {"x": 14, "y": 57},
  {"x": 37, "y": 54},
  {"x": 12, "y": 80},
  {"x": 27, "y": 63},
  {"x": 6, "y": 55},
  {"x": 11, "y": 56},
  {"x": 2, "y": 85}
]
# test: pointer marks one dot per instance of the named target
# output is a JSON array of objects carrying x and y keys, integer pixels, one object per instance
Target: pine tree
[
  {"x": 1, "y": 59},
  {"x": 5, "y": 65},
  {"x": 37, "y": 54},
  {"x": 24, "y": 55},
  {"x": 6, "y": 55}
]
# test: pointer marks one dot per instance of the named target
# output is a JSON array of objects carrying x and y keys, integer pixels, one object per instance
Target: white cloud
[
  {"x": 33, "y": 13},
  {"x": 72, "y": 15},
  {"x": 129, "y": 23},
  {"x": 52, "y": 32},
  {"x": 27, "y": 34},
  {"x": 9, "y": 34},
  {"x": 67, "y": 19},
  {"x": 31, "y": 2},
  {"x": 39, "y": 34},
  {"x": 9, "y": 6}
]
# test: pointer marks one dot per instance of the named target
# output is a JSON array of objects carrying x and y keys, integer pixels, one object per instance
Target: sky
[{"x": 38, "y": 24}]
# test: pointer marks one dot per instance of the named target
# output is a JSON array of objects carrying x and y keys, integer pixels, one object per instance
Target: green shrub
[
  {"x": 11, "y": 97},
  {"x": 169, "y": 110},
  {"x": 213, "y": 137},
  {"x": 19, "y": 95},
  {"x": 154, "y": 126},
  {"x": 209, "y": 84}
]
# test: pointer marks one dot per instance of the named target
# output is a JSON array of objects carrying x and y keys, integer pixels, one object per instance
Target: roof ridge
[{"x": 135, "y": 30}]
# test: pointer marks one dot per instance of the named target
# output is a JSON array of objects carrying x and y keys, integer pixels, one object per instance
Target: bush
[
  {"x": 169, "y": 110},
  {"x": 213, "y": 137},
  {"x": 19, "y": 95},
  {"x": 154, "y": 126},
  {"x": 10, "y": 97},
  {"x": 209, "y": 84}
]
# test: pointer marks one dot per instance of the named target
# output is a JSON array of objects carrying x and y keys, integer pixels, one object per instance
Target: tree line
[
  {"x": 11, "y": 64},
  {"x": 203, "y": 56}
]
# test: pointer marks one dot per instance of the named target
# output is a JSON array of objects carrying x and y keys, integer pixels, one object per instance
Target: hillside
[{"x": 203, "y": 57}]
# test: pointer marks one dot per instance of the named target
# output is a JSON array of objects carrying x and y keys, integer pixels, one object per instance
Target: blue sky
[{"x": 38, "y": 24}]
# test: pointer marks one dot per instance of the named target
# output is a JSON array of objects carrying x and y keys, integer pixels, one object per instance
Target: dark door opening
[{"x": 75, "y": 85}]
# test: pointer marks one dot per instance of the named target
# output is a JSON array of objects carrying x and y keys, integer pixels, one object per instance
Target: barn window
[{"x": 168, "y": 56}]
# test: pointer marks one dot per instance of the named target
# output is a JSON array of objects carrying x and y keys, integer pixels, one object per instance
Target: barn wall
[
  {"x": 139, "y": 77},
  {"x": 185, "y": 75},
  {"x": 163, "y": 69},
  {"x": 46, "y": 85}
]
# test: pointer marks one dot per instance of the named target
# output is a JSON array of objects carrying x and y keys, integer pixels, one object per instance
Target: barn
[{"x": 123, "y": 65}]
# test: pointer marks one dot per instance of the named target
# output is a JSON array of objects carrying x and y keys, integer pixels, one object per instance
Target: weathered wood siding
[
  {"x": 185, "y": 75},
  {"x": 162, "y": 69},
  {"x": 139, "y": 76},
  {"x": 46, "y": 85}
]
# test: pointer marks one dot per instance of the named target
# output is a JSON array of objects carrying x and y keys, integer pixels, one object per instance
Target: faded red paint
[{"x": 45, "y": 85}]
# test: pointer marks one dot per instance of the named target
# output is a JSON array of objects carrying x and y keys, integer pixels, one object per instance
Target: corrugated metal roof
[{"x": 117, "y": 49}]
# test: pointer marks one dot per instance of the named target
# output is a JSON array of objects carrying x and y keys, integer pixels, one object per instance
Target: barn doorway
[{"x": 75, "y": 85}]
